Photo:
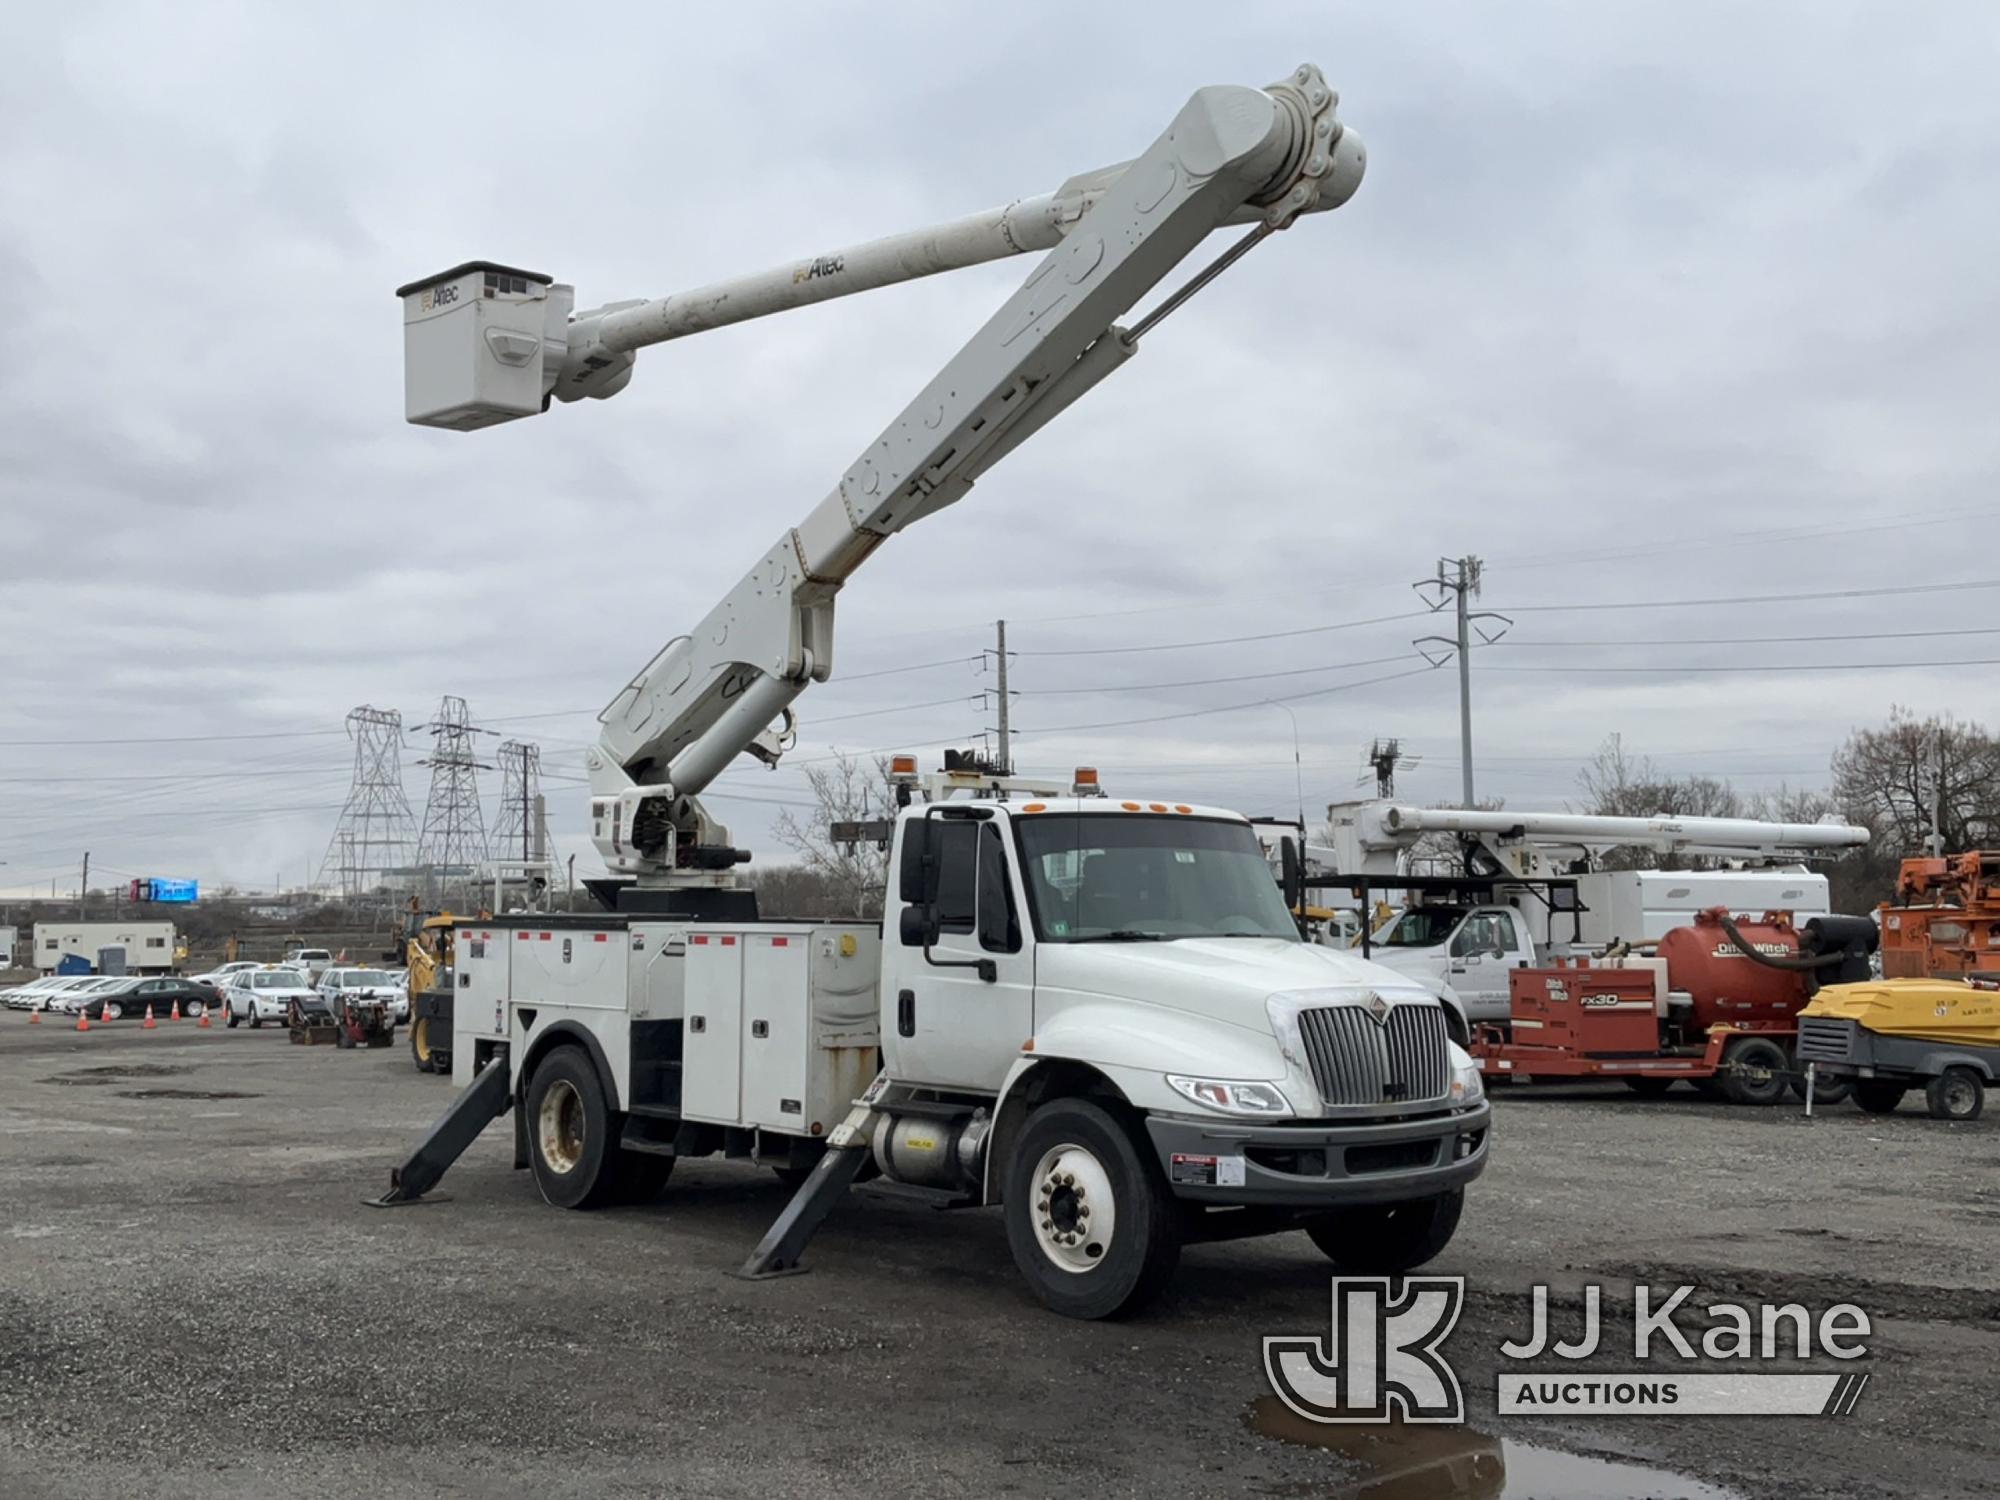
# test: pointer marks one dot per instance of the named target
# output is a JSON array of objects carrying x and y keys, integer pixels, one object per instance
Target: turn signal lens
[{"x": 902, "y": 765}]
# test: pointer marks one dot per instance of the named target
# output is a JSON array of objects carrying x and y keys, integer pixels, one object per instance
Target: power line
[
  {"x": 1786, "y": 533},
  {"x": 1797, "y": 666},
  {"x": 1763, "y": 640},
  {"x": 1148, "y": 687},
  {"x": 182, "y": 739},
  {"x": 1233, "y": 640},
  {"x": 1814, "y": 596},
  {"x": 1224, "y": 708}
]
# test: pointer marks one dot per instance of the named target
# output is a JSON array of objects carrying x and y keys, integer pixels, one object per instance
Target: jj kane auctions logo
[{"x": 1381, "y": 1359}]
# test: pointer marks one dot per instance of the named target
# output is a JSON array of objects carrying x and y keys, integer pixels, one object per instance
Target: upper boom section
[
  {"x": 1369, "y": 836},
  {"x": 487, "y": 343}
]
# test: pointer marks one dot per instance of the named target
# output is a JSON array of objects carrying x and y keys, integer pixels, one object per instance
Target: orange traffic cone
[
  {"x": 175, "y": 1013},
  {"x": 149, "y": 1024},
  {"x": 203, "y": 1022},
  {"x": 35, "y": 1017},
  {"x": 82, "y": 1021}
]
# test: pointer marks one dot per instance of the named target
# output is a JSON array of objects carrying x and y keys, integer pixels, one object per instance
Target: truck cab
[{"x": 1466, "y": 951}]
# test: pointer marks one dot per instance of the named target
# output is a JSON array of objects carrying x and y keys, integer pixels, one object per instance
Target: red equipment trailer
[{"x": 1715, "y": 1004}]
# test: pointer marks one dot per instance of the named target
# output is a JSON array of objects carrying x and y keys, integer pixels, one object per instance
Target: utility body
[{"x": 1096, "y": 1014}]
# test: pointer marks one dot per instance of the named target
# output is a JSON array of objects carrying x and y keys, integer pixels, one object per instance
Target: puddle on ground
[
  {"x": 1425, "y": 1462},
  {"x": 99, "y": 1077},
  {"x": 183, "y": 1094}
]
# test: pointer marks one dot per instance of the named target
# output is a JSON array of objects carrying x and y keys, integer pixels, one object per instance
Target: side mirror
[
  {"x": 917, "y": 869},
  {"x": 1294, "y": 879},
  {"x": 919, "y": 926}
]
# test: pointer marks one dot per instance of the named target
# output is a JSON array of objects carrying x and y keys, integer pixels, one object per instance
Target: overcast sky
[{"x": 1641, "y": 304}]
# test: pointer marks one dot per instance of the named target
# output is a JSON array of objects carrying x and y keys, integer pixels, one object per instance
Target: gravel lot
[{"x": 193, "y": 1301}]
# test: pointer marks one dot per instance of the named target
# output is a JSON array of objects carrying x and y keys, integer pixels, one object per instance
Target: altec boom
[{"x": 1096, "y": 1014}]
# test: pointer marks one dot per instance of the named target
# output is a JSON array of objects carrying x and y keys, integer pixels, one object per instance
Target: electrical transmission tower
[
  {"x": 372, "y": 842},
  {"x": 453, "y": 844},
  {"x": 1382, "y": 758},
  {"x": 517, "y": 832}
]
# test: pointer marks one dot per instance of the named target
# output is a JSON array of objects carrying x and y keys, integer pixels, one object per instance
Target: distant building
[{"x": 149, "y": 946}]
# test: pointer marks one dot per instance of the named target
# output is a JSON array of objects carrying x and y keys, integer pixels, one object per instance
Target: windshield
[
  {"x": 1115, "y": 877},
  {"x": 1421, "y": 927},
  {"x": 276, "y": 979},
  {"x": 362, "y": 979}
]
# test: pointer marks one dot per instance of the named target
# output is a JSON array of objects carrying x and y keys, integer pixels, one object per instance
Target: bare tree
[
  {"x": 846, "y": 789},
  {"x": 1889, "y": 779},
  {"x": 1617, "y": 785}
]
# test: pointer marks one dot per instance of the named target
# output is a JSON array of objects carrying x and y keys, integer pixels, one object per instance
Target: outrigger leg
[
  {"x": 847, "y": 1150},
  {"x": 477, "y": 1107}
]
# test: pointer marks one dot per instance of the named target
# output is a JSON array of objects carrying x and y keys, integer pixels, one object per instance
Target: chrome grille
[{"x": 1356, "y": 1059}]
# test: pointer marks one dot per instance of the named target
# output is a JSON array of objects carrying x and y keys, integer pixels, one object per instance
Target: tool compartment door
[
  {"x": 777, "y": 1029},
  {"x": 574, "y": 966},
  {"x": 712, "y": 1046}
]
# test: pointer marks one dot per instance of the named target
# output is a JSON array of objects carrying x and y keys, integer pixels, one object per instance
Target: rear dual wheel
[{"x": 572, "y": 1139}]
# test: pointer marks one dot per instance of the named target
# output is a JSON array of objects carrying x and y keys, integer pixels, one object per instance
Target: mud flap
[{"x": 484, "y": 1101}]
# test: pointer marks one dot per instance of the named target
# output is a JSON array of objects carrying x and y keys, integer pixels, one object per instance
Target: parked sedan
[
  {"x": 43, "y": 993},
  {"x": 193, "y": 996},
  {"x": 370, "y": 984},
  {"x": 260, "y": 995},
  {"x": 103, "y": 997}
]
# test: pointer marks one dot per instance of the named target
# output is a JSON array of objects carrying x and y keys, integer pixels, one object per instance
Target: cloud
[{"x": 1664, "y": 293}]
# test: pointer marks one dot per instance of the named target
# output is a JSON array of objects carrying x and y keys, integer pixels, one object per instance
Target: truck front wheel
[
  {"x": 569, "y": 1132},
  {"x": 1091, "y": 1224},
  {"x": 1388, "y": 1239}
]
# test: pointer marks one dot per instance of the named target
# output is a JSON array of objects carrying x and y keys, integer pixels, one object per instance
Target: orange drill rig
[{"x": 1945, "y": 919}]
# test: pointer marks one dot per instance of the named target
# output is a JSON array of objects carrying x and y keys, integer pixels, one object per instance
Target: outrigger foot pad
[{"x": 483, "y": 1102}]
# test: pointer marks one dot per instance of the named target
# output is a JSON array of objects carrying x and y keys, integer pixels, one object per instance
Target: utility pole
[
  {"x": 83, "y": 891},
  {"x": 1006, "y": 742},
  {"x": 1458, "y": 579},
  {"x": 1937, "y": 793}
]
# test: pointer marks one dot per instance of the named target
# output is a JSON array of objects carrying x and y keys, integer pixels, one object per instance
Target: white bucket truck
[
  {"x": 1096, "y": 1014},
  {"x": 1528, "y": 889}
]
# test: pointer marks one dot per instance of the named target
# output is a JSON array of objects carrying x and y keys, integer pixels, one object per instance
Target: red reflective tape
[
  {"x": 522, "y": 936},
  {"x": 545, "y": 937},
  {"x": 600, "y": 937},
  {"x": 779, "y": 942},
  {"x": 697, "y": 939},
  {"x": 729, "y": 942}
]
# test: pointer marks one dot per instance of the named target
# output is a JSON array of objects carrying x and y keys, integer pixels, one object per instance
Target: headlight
[
  {"x": 1231, "y": 1098},
  {"x": 1467, "y": 1088}
]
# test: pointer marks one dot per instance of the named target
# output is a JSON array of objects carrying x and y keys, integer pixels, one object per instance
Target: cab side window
[{"x": 999, "y": 920}]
